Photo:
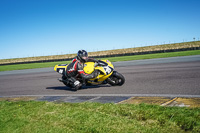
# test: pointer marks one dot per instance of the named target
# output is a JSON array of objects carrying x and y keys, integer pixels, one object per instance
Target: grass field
[
  {"x": 112, "y": 59},
  {"x": 43, "y": 117}
]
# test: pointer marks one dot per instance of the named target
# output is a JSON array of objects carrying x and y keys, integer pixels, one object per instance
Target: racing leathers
[{"x": 75, "y": 70}]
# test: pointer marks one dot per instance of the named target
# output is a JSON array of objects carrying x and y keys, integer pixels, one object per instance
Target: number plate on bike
[{"x": 108, "y": 69}]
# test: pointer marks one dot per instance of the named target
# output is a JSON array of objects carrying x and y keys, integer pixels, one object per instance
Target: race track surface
[{"x": 177, "y": 76}]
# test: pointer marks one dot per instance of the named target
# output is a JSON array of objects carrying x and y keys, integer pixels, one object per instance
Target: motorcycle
[{"x": 106, "y": 74}]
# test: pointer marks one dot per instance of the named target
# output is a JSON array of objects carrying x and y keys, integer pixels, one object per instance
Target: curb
[
  {"x": 165, "y": 101},
  {"x": 169, "y": 102}
]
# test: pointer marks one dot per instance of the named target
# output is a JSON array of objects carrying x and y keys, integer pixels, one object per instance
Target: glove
[
  {"x": 96, "y": 60},
  {"x": 95, "y": 73},
  {"x": 96, "y": 64}
]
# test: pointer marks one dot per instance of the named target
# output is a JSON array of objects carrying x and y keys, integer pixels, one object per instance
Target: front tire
[{"x": 116, "y": 79}]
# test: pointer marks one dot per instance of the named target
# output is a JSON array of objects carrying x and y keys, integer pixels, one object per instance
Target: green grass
[
  {"x": 31, "y": 65},
  {"x": 112, "y": 59},
  {"x": 153, "y": 56},
  {"x": 43, "y": 117}
]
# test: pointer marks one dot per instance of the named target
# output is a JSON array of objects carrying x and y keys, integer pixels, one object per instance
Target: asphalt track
[{"x": 170, "y": 77}]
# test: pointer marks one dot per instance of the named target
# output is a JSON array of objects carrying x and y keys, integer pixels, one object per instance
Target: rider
[{"x": 75, "y": 69}]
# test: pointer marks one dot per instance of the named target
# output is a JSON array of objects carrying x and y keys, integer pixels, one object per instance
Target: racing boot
[
  {"x": 75, "y": 84},
  {"x": 78, "y": 85}
]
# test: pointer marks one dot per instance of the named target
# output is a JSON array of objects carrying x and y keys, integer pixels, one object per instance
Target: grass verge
[
  {"x": 112, "y": 59},
  {"x": 40, "y": 117},
  {"x": 30, "y": 66},
  {"x": 153, "y": 56}
]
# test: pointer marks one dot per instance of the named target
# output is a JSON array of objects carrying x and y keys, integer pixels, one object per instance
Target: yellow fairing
[
  {"x": 55, "y": 68},
  {"x": 89, "y": 68}
]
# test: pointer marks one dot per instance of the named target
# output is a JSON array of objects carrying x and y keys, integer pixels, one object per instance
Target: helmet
[{"x": 82, "y": 55}]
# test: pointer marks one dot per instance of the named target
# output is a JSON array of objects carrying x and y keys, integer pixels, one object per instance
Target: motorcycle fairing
[{"x": 105, "y": 68}]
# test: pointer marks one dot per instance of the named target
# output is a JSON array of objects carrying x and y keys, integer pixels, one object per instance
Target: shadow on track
[{"x": 70, "y": 89}]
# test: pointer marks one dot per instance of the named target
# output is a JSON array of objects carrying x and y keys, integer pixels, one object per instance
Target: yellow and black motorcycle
[{"x": 106, "y": 73}]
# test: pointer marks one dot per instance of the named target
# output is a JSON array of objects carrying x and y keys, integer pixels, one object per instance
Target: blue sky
[{"x": 50, "y": 27}]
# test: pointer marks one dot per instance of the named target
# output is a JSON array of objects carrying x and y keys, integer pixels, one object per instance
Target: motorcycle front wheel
[{"x": 116, "y": 79}]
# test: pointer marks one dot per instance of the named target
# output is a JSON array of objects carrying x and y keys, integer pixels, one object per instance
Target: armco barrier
[{"x": 104, "y": 56}]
